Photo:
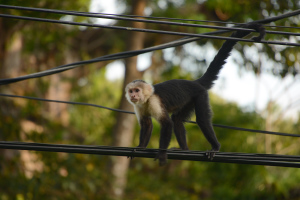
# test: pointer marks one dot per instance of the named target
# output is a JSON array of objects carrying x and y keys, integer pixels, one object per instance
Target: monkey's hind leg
[
  {"x": 178, "y": 123},
  {"x": 203, "y": 119}
]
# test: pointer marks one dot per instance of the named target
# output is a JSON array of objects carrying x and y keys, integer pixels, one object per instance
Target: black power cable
[
  {"x": 128, "y": 112},
  {"x": 187, "y": 20},
  {"x": 220, "y": 157}
]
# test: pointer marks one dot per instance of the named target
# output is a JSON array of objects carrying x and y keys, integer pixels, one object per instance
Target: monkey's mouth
[{"x": 133, "y": 100}]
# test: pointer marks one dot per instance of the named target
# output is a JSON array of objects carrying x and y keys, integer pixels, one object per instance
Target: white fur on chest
[{"x": 152, "y": 107}]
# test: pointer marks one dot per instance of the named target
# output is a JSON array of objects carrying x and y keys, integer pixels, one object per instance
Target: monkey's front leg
[
  {"x": 145, "y": 133},
  {"x": 165, "y": 138},
  {"x": 146, "y": 130}
]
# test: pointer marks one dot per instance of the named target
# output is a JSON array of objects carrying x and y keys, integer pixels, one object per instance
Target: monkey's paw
[
  {"x": 162, "y": 157},
  {"x": 134, "y": 150},
  {"x": 132, "y": 157},
  {"x": 211, "y": 154}
]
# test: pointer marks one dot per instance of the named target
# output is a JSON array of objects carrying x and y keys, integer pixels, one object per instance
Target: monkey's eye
[
  {"x": 137, "y": 90},
  {"x": 130, "y": 91}
]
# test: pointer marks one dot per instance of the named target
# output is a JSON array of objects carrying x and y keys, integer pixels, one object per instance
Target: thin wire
[
  {"x": 66, "y": 102},
  {"x": 127, "y": 18},
  {"x": 129, "y": 112},
  {"x": 90, "y": 14},
  {"x": 115, "y": 17},
  {"x": 252, "y": 130},
  {"x": 220, "y": 157},
  {"x": 180, "y": 19},
  {"x": 149, "y": 30},
  {"x": 193, "y": 20},
  {"x": 291, "y": 27},
  {"x": 167, "y": 18},
  {"x": 195, "y": 25}
]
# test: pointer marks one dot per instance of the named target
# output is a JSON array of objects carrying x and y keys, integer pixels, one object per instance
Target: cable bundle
[{"x": 221, "y": 157}]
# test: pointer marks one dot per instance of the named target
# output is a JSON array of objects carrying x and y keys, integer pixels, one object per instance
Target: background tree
[{"x": 124, "y": 128}]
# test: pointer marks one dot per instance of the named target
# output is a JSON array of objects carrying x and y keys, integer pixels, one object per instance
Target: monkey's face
[
  {"x": 138, "y": 92},
  {"x": 136, "y": 95}
]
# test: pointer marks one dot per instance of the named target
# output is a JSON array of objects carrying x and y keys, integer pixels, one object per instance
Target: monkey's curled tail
[{"x": 207, "y": 80}]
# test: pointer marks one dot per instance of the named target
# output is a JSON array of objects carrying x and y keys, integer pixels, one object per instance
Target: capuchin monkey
[{"x": 181, "y": 98}]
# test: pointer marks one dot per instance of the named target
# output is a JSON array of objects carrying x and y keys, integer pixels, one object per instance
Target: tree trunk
[
  {"x": 2, "y": 47},
  {"x": 123, "y": 131},
  {"x": 61, "y": 89}
]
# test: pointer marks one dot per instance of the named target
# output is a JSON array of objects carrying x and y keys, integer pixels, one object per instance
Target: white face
[
  {"x": 135, "y": 95},
  {"x": 137, "y": 92}
]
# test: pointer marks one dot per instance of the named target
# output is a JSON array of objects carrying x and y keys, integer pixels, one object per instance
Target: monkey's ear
[{"x": 148, "y": 90}]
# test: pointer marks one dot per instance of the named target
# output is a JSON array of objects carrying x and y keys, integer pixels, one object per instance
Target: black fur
[
  {"x": 146, "y": 131},
  {"x": 183, "y": 97},
  {"x": 220, "y": 59}
]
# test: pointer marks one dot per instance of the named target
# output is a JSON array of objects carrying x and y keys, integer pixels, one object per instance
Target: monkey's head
[{"x": 138, "y": 92}]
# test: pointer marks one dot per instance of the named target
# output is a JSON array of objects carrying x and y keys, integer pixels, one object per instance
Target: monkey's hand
[
  {"x": 162, "y": 157},
  {"x": 134, "y": 150},
  {"x": 262, "y": 33},
  {"x": 211, "y": 154},
  {"x": 259, "y": 28}
]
